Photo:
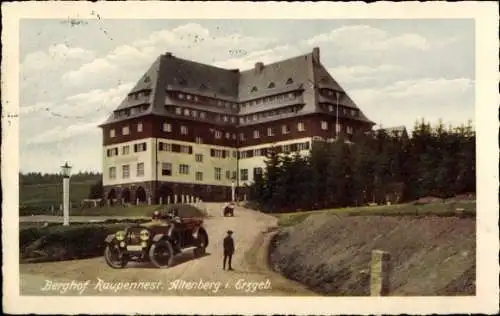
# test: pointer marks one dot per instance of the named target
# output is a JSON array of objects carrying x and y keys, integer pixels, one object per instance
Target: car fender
[
  {"x": 158, "y": 237},
  {"x": 110, "y": 238},
  {"x": 200, "y": 230}
]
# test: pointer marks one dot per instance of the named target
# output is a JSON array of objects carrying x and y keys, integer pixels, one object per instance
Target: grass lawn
[
  {"x": 437, "y": 209},
  {"x": 48, "y": 194}
]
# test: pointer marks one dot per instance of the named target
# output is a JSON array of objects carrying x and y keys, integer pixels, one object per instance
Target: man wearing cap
[{"x": 228, "y": 250}]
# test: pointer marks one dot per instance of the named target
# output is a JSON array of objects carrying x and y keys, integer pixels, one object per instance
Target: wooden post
[{"x": 380, "y": 273}]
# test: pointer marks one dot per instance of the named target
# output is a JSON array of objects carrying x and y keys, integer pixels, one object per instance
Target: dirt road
[{"x": 189, "y": 276}]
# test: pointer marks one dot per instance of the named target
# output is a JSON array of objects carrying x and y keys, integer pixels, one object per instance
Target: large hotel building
[{"x": 192, "y": 129}]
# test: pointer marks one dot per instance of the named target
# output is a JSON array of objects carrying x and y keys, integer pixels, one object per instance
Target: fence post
[{"x": 380, "y": 273}]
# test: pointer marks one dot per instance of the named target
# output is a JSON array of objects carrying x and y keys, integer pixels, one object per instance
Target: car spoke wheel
[
  {"x": 161, "y": 254},
  {"x": 115, "y": 258}
]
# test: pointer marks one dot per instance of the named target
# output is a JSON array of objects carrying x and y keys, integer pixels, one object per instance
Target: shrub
[{"x": 57, "y": 242}]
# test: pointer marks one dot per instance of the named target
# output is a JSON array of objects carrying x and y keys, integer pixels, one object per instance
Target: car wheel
[
  {"x": 114, "y": 257},
  {"x": 161, "y": 254}
]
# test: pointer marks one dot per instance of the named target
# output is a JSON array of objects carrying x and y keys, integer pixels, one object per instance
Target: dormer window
[
  {"x": 289, "y": 81},
  {"x": 271, "y": 85},
  {"x": 147, "y": 79},
  {"x": 203, "y": 87},
  {"x": 182, "y": 82},
  {"x": 254, "y": 89}
]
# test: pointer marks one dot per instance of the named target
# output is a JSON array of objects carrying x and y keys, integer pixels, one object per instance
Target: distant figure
[{"x": 228, "y": 250}]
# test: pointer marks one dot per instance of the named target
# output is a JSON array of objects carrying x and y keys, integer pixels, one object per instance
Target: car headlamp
[
  {"x": 144, "y": 234},
  {"x": 120, "y": 235}
]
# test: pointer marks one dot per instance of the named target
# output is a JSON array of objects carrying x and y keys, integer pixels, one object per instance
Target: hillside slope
[{"x": 331, "y": 254}]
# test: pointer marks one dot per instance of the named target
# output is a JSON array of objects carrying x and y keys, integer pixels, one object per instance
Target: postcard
[{"x": 250, "y": 158}]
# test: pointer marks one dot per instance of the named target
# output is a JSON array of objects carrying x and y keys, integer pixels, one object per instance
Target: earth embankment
[{"x": 331, "y": 254}]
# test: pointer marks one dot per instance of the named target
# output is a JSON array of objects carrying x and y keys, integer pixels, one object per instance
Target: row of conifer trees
[{"x": 379, "y": 167}]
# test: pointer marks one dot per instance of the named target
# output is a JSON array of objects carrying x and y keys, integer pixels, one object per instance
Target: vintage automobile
[
  {"x": 157, "y": 241},
  {"x": 229, "y": 209}
]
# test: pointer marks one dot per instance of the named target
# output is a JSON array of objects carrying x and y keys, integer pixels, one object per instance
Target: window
[
  {"x": 286, "y": 148},
  {"x": 183, "y": 169},
  {"x": 256, "y": 134},
  {"x": 244, "y": 174},
  {"x": 189, "y": 97},
  {"x": 167, "y": 127},
  {"x": 253, "y": 89},
  {"x": 225, "y": 118},
  {"x": 186, "y": 112},
  {"x": 199, "y": 176},
  {"x": 256, "y": 152},
  {"x": 112, "y": 173},
  {"x": 112, "y": 133},
  {"x": 166, "y": 169},
  {"x": 243, "y": 154},
  {"x": 270, "y": 131},
  {"x": 228, "y": 174},
  {"x": 257, "y": 172},
  {"x": 289, "y": 81},
  {"x": 140, "y": 169},
  {"x": 125, "y": 171},
  {"x": 178, "y": 111},
  {"x": 324, "y": 125},
  {"x": 181, "y": 96},
  {"x": 139, "y": 127},
  {"x": 164, "y": 146},
  {"x": 184, "y": 130},
  {"x": 228, "y": 135},
  {"x": 125, "y": 150},
  {"x": 235, "y": 154},
  {"x": 140, "y": 147},
  {"x": 218, "y": 134},
  {"x": 112, "y": 152},
  {"x": 199, "y": 140},
  {"x": 284, "y": 129},
  {"x": 271, "y": 85},
  {"x": 339, "y": 128},
  {"x": 198, "y": 157},
  {"x": 194, "y": 113},
  {"x": 242, "y": 136},
  {"x": 349, "y": 129},
  {"x": 301, "y": 146},
  {"x": 234, "y": 175},
  {"x": 218, "y": 172},
  {"x": 202, "y": 115},
  {"x": 300, "y": 127},
  {"x": 185, "y": 149}
]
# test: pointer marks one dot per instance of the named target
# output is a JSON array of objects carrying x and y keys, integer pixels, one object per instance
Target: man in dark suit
[{"x": 228, "y": 250}]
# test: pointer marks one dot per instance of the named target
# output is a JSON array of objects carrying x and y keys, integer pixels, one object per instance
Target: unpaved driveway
[{"x": 189, "y": 276}]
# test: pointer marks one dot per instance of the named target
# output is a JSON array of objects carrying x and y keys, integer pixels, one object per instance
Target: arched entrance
[
  {"x": 165, "y": 191},
  {"x": 125, "y": 196},
  {"x": 140, "y": 194},
  {"x": 111, "y": 197}
]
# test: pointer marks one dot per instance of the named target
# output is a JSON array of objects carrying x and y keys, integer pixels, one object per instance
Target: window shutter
[
  {"x": 190, "y": 150},
  {"x": 223, "y": 154}
]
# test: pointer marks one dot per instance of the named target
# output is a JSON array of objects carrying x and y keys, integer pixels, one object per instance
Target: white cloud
[
  {"x": 266, "y": 56},
  {"x": 189, "y": 41},
  {"x": 63, "y": 132},
  {"x": 55, "y": 56},
  {"x": 403, "y": 102},
  {"x": 368, "y": 38},
  {"x": 362, "y": 73}
]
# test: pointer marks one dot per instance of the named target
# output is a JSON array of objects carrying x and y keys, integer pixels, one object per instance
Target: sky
[{"x": 74, "y": 73}]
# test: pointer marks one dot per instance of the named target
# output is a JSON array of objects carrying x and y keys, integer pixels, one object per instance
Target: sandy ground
[{"x": 189, "y": 276}]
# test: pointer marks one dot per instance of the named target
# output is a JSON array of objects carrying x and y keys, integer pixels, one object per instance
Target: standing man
[{"x": 228, "y": 250}]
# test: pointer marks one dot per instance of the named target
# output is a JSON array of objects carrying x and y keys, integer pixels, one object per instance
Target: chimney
[
  {"x": 168, "y": 54},
  {"x": 316, "y": 54},
  {"x": 259, "y": 66}
]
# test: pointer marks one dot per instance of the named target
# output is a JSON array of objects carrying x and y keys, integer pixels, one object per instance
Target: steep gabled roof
[{"x": 283, "y": 74}]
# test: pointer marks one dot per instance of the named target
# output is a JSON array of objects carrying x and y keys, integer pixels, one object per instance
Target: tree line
[
  {"x": 376, "y": 167},
  {"x": 31, "y": 178}
]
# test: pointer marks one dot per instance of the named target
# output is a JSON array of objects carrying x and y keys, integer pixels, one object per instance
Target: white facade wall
[{"x": 148, "y": 157}]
